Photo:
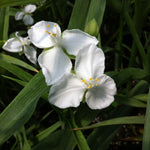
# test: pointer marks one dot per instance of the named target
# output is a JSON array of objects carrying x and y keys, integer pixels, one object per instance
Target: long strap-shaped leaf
[
  {"x": 21, "y": 108},
  {"x": 4, "y": 23},
  {"x": 115, "y": 121},
  {"x": 4, "y": 3},
  {"x": 95, "y": 16},
  {"x": 79, "y": 13},
  {"x": 89, "y": 15},
  {"x": 20, "y": 73},
  {"x": 16, "y": 61},
  {"x": 146, "y": 136},
  {"x": 136, "y": 39}
]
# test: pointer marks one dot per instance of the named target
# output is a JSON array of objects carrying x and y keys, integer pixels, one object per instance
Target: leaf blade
[
  {"x": 21, "y": 108},
  {"x": 16, "y": 61},
  {"x": 4, "y": 3},
  {"x": 116, "y": 121},
  {"x": 146, "y": 135}
]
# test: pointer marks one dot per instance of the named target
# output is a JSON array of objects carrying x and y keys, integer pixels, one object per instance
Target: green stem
[{"x": 78, "y": 135}]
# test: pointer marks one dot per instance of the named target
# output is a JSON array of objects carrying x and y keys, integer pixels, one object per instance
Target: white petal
[
  {"x": 19, "y": 15},
  {"x": 39, "y": 36},
  {"x": 30, "y": 53},
  {"x": 101, "y": 96},
  {"x": 67, "y": 92},
  {"x": 30, "y": 8},
  {"x": 74, "y": 40},
  {"x": 54, "y": 64},
  {"x": 90, "y": 62},
  {"x": 28, "y": 20},
  {"x": 12, "y": 45}
]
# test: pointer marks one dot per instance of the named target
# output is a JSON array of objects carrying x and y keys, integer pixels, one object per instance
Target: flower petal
[
  {"x": 74, "y": 40},
  {"x": 30, "y": 8},
  {"x": 19, "y": 15},
  {"x": 28, "y": 20},
  {"x": 44, "y": 34},
  {"x": 12, "y": 45},
  {"x": 90, "y": 62},
  {"x": 67, "y": 92},
  {"x": 101, "y": 96},
  {"x": 30, "y": 53},
  {"x": 54, "y": 64}
]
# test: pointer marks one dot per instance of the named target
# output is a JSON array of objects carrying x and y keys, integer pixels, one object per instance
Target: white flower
[
  {"x": 19, "y": 44},
  {"x": 25, "y": 14},
  {"x": 54, "y": 62},
  {"x": 89, "y": 67}
]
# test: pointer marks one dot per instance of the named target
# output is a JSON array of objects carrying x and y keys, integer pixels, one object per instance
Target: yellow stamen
[
  {"x": 89, "y": 86},
  {"x": 90, "y": 78},
  {"x": 54, "y": 34},
  {"x": 83, "y": 80},
  {"x": 55, "y": 25},
  {"x": 97, "y": 80},
  {"x": 97, "y": 85},
  {"x": 48, "y": 25},
  {"x": 47, "y": 32}
]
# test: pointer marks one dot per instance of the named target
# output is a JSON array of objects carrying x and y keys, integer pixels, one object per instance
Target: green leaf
[
  {"x": 116, "y": 121},
  {"x": 48, "y": 131},
  {"x": 136, "y": 39},
  {"x": 4, "y": 3},
  {"x": 13, "y": 11},
  {"x": 16, "y": 61},
  {"x": 116, "y": 5},
  {"x": 1, "y": 43},
  {"x": 128, "y": 74},
  {"x": 60, "y": 140},
  {"x": 21, "y": 108},
  {"x": 78, "y": 135},
  {"x": 79, "y": 14},
  {"x": 22, "y": 139},
  {"x": 141, "y": 87},
  {"x": 4, "y": 23},
  {"x": 141, "y": 97},
  {"x": 96, "y": 138},
  {"x": 130, "y": 98},
  {"x": 140, "y": 14},
  {"x": 95, "y": 16},
  {"x": 146, "y": 135},
  {"x": 15, "y": 80},
  {"x": 20, "y": 73},
  {"x": 130, "y": 101}
]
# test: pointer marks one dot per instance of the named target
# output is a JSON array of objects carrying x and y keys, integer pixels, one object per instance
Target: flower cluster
[
  {"x": 20, "y": 44},
  {"x": 25, "y": 14},
  {"x": 88, "y": 83}
]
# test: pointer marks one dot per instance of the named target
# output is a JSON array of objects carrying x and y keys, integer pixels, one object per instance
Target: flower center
[
  {"x": 26, "y": 42},
  {"x": 91, "y": 82},
  {"x": 50, "y": 32}
]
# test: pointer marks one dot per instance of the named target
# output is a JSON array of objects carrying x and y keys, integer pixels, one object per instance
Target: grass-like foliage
[{"x": 28, "y": 119}]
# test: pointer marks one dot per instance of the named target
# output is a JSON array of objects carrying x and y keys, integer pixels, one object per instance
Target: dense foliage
[{"x": 29, "y": 121}]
